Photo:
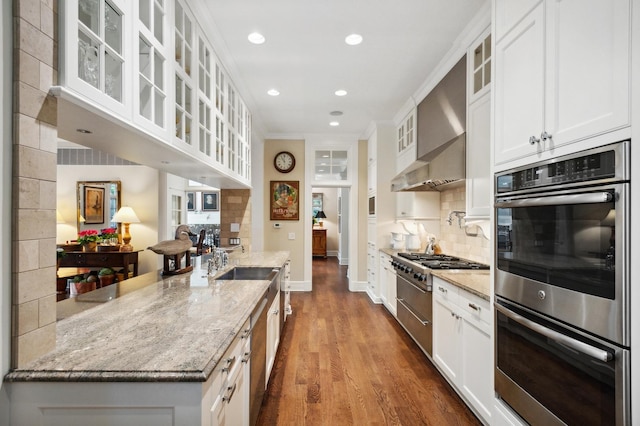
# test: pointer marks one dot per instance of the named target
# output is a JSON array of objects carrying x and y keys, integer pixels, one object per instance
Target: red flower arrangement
[
  {"x": 108, "y": 233},
  {"x": 88, "y": 236}
]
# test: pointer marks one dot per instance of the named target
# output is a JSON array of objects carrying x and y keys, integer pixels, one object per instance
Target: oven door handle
[
  {"x": 423, "y": 322},
  {"x": 554, "y": 200},
  {"x": 557, "y": 337}
]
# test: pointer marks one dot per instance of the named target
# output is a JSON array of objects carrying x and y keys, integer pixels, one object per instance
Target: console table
[
  {"x": 117, "y": 259},
  {"x": 319, "y": 239}
]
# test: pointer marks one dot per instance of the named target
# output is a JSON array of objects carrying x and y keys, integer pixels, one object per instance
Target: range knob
[
  {"x": 422, "y": 277},
  {"x": 409, "y": 269}
]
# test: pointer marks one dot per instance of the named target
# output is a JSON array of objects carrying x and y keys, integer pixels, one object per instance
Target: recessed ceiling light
[
  {"x": 341, "y": 92},
  {"x": 336, "y": 113},
  {"x": 256, "y": 38},
  {"x": 353, "y": 39},
  {"x": 85, "y": 131},
  {"x": 334, "y": 124},
  {"x": 273, "y": 92}
]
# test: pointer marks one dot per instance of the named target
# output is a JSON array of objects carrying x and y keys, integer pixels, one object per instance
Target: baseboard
[
  {"x": 357, "y": 285},
  {"x": 375, "y": 299},
  {"x": 299, "y": 286}
]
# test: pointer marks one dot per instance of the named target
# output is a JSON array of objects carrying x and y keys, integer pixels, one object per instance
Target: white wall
[
  {"x": 6, "y": 28},
  {"x": 140, "y": 191}
]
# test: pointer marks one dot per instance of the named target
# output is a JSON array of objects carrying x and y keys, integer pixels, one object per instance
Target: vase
[
  {"x": 90, "y": 246},
  {"x": 106, "y": 280}
]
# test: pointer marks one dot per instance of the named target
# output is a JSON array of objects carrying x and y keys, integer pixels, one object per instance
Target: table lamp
[
  {"x": 320, "y": 215},
  {"x": 126, "y": 216}
]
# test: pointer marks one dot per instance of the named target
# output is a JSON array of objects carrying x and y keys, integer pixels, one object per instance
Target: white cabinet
[
  {"x": 273, "y": 334},
  {"x": 557, "y": 80},
  {"x": 372, "y": 267},
  {"x": 406, "y": 146},
  {"x": 96, "y": 55},
  {"x": 418, "y": 205},
  {"x": 229, "y": 388},
  {"x": 462, "y": 344},
  {"x": 372, "y": 180},
  {"x": 478, "y": 161},
  {"x": 478, "y": 182},
  {"x": 387, "y": 277}
]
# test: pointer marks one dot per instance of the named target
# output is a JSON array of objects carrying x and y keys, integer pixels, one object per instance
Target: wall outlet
[{"x": 292, "y": 235}]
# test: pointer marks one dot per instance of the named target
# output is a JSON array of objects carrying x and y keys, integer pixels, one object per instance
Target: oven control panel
[{"x": 586, "y": 166}]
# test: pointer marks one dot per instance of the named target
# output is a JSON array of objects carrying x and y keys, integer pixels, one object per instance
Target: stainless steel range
[{"x": 414, "y": 291}]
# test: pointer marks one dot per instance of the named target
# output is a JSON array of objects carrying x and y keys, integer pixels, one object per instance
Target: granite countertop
[
  {"x": 173, "y": 328},
  {"x": 476, "y": 281}
]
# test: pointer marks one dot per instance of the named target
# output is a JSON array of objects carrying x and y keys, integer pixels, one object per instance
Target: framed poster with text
[{"x": 284, "y": 200}]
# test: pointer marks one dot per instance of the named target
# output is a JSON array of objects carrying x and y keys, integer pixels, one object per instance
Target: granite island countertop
[{"x": 172, "y": 329}]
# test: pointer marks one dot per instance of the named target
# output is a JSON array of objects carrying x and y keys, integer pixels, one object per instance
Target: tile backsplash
[{"x": 453, "y": 239}]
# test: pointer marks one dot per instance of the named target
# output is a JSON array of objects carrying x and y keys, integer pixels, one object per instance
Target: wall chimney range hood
[{"x": 441, "y": 141}]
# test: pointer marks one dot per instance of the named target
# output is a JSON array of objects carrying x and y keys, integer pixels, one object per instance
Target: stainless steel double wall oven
[{"x": 562, "y": 288}]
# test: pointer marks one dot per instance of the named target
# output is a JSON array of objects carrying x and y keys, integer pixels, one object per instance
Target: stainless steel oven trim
[
  {"x": 622, "y": 169},
  {"x": 557, "y": 200},
  {"x": 607, "y": 318},
  {"x": 529, "y": 408},
  {"x": 408, "y": 308},
  {"x": 560, "y": 338}
]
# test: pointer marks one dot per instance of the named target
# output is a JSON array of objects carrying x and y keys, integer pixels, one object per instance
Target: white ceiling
[{"x": 306, "y": 59}]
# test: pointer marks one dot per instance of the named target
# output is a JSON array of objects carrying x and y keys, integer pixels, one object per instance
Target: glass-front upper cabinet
[
  {"x": 220, "y": 103},
  {"x": 94, "y": 58},
  {"x": 184, "y": 83},
  {"x": 481, "y": 66},
  {"x": 205, "y": 97},
  {"x": 152, "y": 65}
]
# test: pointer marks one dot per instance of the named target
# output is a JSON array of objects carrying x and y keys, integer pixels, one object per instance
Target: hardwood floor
[{"x": 344, "y": 360}]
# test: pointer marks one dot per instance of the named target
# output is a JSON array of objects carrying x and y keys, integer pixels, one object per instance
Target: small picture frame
[
  {"x": 284, "y": 200},
  {"x": 210, "y": 201},
  {"x": 316, "y": 203},
  {"x": 191, "y": 201},
  {"x": 93, "y": 204}
]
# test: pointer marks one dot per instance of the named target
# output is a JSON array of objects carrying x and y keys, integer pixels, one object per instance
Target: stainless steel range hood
[{"x": 441, "y": 141}]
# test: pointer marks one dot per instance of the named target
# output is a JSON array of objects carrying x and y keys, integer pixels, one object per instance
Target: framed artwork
[
  {"x": 93, "y": 204},
  {"x": 210, "y": 201},
  {"x": 284, "y": 200},
  {"x": 191, "y": 201},
  {"x": 316, "y": 202}
]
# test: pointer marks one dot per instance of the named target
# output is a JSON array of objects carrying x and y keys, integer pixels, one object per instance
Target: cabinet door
[
  {"x": 237, "y": 410},
  {"x": 507, "y": 14},
  {"x": 477, "y": 365},
  {"x": 519, "y": 89},
  {"x": 273, "y": 333},
  {"x": 588, "y": 80},
  {"x": 446, "y": 339},
  {"x": 478, "y": 159}
]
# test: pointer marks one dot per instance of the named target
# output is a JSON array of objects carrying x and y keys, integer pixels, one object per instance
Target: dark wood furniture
[
  {"x": 112, "y": 259},
  {"x": 319, "y": 242}
]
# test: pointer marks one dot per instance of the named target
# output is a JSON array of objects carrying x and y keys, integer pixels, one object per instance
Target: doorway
[{"x": 333, "y": 204}]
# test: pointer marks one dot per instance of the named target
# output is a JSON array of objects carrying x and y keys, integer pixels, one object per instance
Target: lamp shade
[
  {"x": 321, "y": 215},
  {"x": 125, "y": 215}
]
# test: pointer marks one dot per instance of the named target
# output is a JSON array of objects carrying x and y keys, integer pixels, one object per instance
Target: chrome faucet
[{"x": 457, "y": 213}]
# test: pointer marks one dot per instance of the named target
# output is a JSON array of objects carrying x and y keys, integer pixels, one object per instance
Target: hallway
[{"x": 344, "y": 360}]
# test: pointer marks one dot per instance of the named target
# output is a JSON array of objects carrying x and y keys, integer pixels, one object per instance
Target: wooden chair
[{"x": 197, "y": 249}]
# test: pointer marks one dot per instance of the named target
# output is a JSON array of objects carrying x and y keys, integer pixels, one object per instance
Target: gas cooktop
[{"x": 442, "y": 261}]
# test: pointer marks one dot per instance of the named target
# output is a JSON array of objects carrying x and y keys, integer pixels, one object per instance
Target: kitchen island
[{"x": 147, "y": 354}]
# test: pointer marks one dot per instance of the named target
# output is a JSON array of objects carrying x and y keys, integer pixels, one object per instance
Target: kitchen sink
[{"x": 249, "y": 273}]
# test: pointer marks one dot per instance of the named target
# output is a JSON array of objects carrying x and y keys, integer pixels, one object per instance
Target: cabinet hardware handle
[
  {"x": 275, "y": 311},
  {"x": 247, "y": 357},
  {"x": 474, "y": 306},
  {"x": 533, "y": 140},
  {"x": 544, "y": 136},
  {"x": 229, "y": 394},
  {"x": 246, "y": 333},
  {"x": 456, "y": 316},
  {"x": 444, "y": 290},
  {"x": 230, "y": 362}
]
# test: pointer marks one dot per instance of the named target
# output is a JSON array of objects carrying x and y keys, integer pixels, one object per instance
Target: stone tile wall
[
  {"x": 34, "y": 180},
  {"x": 235, "y": 207},
  {"x": 453, "y": 239}
]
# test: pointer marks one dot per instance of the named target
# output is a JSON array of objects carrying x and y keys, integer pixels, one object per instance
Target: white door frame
[{"x": 347, "y": 143}]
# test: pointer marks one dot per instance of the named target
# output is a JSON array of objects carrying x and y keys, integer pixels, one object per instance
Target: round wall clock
[{"x": 284, "y": 162}]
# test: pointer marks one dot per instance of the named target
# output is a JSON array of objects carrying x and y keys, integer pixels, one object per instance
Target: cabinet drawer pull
[
  {"x": 247, "y": 357},
  {"x": 442, "y": 289},
  {"x": 230, "y": 362},
  {"x": 533, "y": 140},
  {"x": 474, "y": 306},
  {"x": 229, "y": 394},
  {"x": 544, "y": 136},
  {"x": 456, "y": 316}
]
